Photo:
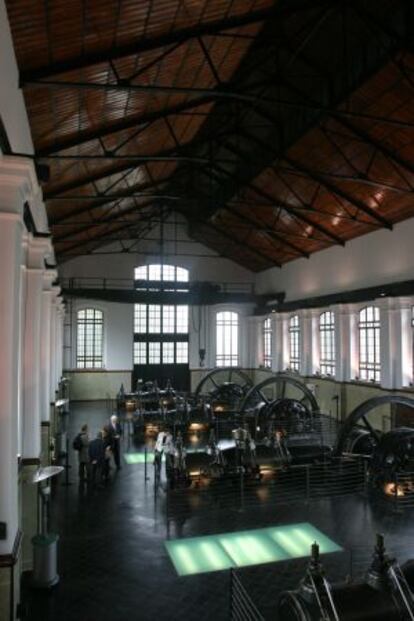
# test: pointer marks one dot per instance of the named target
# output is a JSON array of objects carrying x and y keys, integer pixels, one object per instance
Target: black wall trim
[{"x": 366, "y": 294}]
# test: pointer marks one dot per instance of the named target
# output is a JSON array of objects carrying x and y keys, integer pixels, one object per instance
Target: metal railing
[
  {"x": 300, "y": 483},
  {"x": 242, "y": 607},
  {"x": 260, "y": 586},
  {"x": 90, "y": 282}
]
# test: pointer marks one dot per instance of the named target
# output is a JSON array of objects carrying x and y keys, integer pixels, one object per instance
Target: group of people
[{"x": 94, "y": 456}]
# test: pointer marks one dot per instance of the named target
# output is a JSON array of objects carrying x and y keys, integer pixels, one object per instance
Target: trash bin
[{"x": 45, "y": 560}]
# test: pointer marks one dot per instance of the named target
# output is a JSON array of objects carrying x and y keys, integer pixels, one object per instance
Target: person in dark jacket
[
  {"x": 96, "y": 458},
  {"x": 115, "y": 431},
  {"x": 83, "y": 454},
  {"x": 108, "y": 452}
]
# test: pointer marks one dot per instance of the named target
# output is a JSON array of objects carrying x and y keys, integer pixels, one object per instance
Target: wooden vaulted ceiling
[{"x": 277, "y": 127}]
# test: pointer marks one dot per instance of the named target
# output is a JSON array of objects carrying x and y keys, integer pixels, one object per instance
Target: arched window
[
  {"x": 369, "y": 344},
  {"x": 227, "y": 337},
  {"x": 294, "y": 343},
  {"x": 162, "y": 273},
  {"x": 327, "y": 343},
  {"x": 160, "y": 330},
  {"x": 267, "y": 342},
  {"x": 89, "y": 341}
]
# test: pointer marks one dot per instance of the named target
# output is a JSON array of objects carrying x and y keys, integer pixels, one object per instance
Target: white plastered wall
[{"x": 378, "y": 258}]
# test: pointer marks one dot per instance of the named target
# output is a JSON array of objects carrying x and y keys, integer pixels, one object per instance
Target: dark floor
[{"x": 113, "y": 565}]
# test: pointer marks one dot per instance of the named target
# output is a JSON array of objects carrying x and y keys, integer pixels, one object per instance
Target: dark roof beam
[
  {"x": 169, "y": 38},
  {"x": 291, "y": 209}
]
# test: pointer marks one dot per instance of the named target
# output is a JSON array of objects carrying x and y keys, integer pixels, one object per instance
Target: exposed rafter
[
  {"x": 167, "y": 39},
  {"x": 291, "y": 209},
  {"x": 334, "y": 189}
]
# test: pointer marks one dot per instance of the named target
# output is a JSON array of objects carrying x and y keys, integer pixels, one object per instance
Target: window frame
[
  {"x": 161, "y": 327},
  {"x": 369, "y": 353},
  {"x": 327, "y": 350},
  {"x": 295, "y": 337},
  {"x": 97, "y": 359},
  {"x": 229, "y": 356},
  {"x": 267, "y": 336}
]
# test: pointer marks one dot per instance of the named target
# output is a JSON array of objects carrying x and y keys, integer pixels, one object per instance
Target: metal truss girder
[
  {"x": 102, "y": 201},
  {"x": 334, "y": 189},
  {"x": 169, "y": 38},
  {"x": 288, "y": 208}
]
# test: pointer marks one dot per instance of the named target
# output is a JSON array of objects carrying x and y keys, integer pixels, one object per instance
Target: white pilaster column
[
  {"x": 309, "y": 341},
  {"x": 48, "y": 296},
  {"x": 388, "y": 338},
  {"x": 11, "y": 230},
  {"x": 255, "y": 346},
  {"x": 346, "y": 342},
  {"x": 396, "y": 348},
  {"x": 53, "y": 344},
  {"x": 59, "y": 360},
  {"x": 22, "y": 318},
  {"x": 274, "y": 342},
  {"x": 405, "y": 362},
  {"x": 281, "y": 357},
  {"x": 38, "y": 248}
]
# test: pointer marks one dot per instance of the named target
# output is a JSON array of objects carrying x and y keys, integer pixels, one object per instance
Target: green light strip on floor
[
  {"x": 250, "y": 547},
  {"x": 139, "y": 457}
]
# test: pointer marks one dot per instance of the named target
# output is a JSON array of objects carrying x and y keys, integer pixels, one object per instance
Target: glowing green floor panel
[
  {"x": 198, "y": 555},
  {"x": 139, "y": 457}
]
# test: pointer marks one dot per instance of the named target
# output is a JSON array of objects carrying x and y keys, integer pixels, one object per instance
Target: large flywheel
[
  {"x": 361, "y": 432},
  {"x": 226, "y": 387}
]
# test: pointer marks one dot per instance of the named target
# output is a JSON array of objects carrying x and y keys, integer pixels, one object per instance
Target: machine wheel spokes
[
  {"x": 358, "y": 431},
  {"x": 280, "y": 386},
  {"x": 222, "y": 376}
]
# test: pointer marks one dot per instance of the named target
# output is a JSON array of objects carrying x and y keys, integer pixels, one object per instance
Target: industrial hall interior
[{"x": 207, "y": 310}]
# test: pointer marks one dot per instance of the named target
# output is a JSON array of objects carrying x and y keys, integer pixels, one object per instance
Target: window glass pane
[
  {"x": 227, "y": 338},
  {"x": 168, "y": 272},
  {"x": 154, "y": 318},
  {"x": 369, "y": 344},
  {"x": 182, "y": 274},
  {"x": 89, "y": 344},
  {"x": 182, "y": 319},
  {"x": 327, "y": 343},
  {"x": 267, "y": 342},
  {"x": 168, "y": 353},
  {"x": 140, "y": 318},
  {"x": 140, "y": 353},
  {"x": 154, "y": 353},
  {"x": 294, "y": 343},
  {"x": 141, "y": 272},
  {"x": 168, "y": 319},
  {"x": 181, "y": 352},
  {"x": 154, "y": 272}
]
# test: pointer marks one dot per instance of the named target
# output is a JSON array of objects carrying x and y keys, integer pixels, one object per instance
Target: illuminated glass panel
[
  {"x": 327, "y": 343},
  {"x": 168, "y": 319},
  {"x": 141, "y": 273},
  {"x": 168, "y": 352},
  {"x": 267, "y": 342},
  {"x": 369, "y": 344},
  {"x": 154, "y": 272},
  {"x": 227, "y": 336},
  {"x": 195, "y": 555},
  {"x": 181, "y": 356},
  {"x": 154, "y": 353},
  {"x": 89, "y": 343},
  {"x": 182, "y": 319},
  {"x": 154, "y": 318},
  {"x": 140, "y": 352},
  {"x": 168, "y": 273},
  {"x": 140, "y": 318},
  {"x": 182, "y": 274},
  {"x": 294, "y": 343}
]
